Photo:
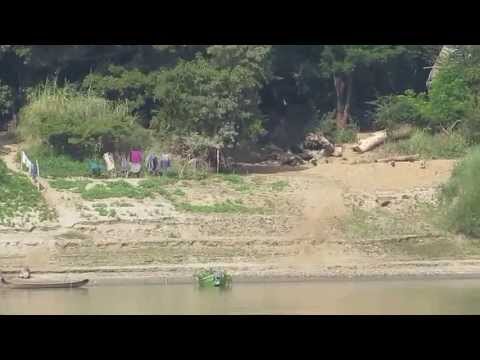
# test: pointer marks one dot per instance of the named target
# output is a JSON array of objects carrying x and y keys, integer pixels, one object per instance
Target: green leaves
[
  {"x": 73, "y": 122},
  {"x": 344, "y": 59},
  {"x": 216, "y": 98}
]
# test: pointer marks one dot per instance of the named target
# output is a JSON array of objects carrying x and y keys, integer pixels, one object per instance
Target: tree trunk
[{"x": 343, "y": 89}]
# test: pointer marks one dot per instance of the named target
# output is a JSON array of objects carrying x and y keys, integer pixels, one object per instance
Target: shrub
[
  {"x": 348, "y": 135},
  {"x": 450, "y": 96},
  {"x": 132, "y": 86},
  {"x": 460, "y": 198},
  {"x": 199, "y": 97},
  {"x": 76, "y": 124},
  {"x": 449, "y": 100},
  {"x": 470, "y": 126},
  {"x": 328, "y": 126},
  {"x": 395, "y": 110}
]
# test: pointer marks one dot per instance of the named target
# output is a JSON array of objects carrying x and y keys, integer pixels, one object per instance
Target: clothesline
[
  {"x": 32, "y": 167},
  {"x": 134, "y": 161}
]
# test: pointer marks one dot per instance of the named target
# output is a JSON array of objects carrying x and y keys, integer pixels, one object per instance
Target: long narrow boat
[{"x": 31, "y": 285}]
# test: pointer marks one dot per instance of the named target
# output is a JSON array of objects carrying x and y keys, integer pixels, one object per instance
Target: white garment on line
[
  {"x": 109, "y": 161},
  {"x": 26, "y": 161}
]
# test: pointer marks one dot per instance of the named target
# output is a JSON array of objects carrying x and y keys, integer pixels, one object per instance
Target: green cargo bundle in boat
[{"x": 213, "y": 278}]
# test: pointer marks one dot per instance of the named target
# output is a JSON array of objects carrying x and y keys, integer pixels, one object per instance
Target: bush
[
  {"x": 328, "y": 126},
  {"x": 460, "y": 198},
  {"x": 348, "y": 135},
  {"x": 450, "y": 96},
  {"x": 470, "y": 126},
  {"x": 76, "y": 124},
  {"x": 449, "y": 100},
  {"x": 132, "y": 86},
  {"x": 430, "y": 146},
  {"x": 395, "y": 110},
  {"x": 199, "y": 97}
]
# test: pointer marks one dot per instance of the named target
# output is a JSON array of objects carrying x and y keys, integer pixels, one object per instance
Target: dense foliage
[
  {"x": 228, "y": 92},
  {"x": 66, "y": 121},
  {"x": 452, "y": 102},
  {"x": 461, "y": 198}
]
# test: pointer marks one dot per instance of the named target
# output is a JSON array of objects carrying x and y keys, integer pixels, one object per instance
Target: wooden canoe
[{"x": 31, "y": 285}]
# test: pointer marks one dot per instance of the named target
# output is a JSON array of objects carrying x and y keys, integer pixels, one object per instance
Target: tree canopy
[{"x": 231, "y": 92}]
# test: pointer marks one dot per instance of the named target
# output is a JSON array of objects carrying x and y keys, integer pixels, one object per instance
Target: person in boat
[
  {"x": 217, "y": 278},
  {"x": 25, "y": 273}
]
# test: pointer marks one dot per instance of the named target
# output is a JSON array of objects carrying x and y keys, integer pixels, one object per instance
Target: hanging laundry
[
  {"x": 95, "y": 167},
  {"x": 34, "y": 171},
  {"x": 136, "y": 156},
  {"x": 124, "y": 164},
  {"x": 26, "y": 161},
  {"x": 135, "y": 168},
  {"x": 24, "y": 158},
  {"x": 165, "y": 162},
  {"x": 108, "y": 157},
  {"x": 152, "y": 164}
]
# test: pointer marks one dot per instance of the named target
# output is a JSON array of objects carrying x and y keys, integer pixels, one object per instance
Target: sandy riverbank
[{"x": 444, "y": 269}]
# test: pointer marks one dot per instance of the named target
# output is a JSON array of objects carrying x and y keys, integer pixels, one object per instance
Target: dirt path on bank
[{"x": 67, "y": 215}]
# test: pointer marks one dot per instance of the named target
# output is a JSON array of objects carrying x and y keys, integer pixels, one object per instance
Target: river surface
[{"x": 322, "y": 297}]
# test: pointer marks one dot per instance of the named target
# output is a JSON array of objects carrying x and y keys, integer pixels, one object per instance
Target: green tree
[
  {"x": 133, "y": 87},
  {"x": 341, "y": 62},
  {"x": 217, "y": 101}
]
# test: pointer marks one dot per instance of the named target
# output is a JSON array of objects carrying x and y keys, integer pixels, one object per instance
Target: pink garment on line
[{"x": 136, "y": 156}]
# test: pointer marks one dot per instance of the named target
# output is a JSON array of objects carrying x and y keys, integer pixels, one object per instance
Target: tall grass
[
  {"x": 460, "y": 197},
  {"x": 70, "y": 121},
  {"x": 428, "y": 146}
]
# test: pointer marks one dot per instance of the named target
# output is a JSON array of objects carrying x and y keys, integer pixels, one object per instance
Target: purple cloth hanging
[{"x": 136, "y": 156}]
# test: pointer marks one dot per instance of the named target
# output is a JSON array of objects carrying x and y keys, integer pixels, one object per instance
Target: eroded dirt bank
[{"x": 340, "y": 218}]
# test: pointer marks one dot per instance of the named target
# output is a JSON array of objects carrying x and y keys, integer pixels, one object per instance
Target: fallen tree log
[
  {"x": 400, "y": 158},
  {"x": 371, "y": 142}
]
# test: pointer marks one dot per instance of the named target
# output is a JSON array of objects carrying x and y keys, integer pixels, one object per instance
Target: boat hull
[
  {"x": 209, "y": 281},
  {"x": 69, "y": 285}
]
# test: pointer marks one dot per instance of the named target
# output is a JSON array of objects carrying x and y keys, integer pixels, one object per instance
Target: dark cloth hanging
[{"x": 152, "y": 164}]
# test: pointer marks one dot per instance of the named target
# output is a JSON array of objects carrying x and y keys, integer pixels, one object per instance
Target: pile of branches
[
  {"x": 317, "y": 142},
  {"x": 201, "y": 152}
]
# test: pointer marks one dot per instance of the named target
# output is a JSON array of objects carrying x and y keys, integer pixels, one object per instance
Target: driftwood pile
[{"x": 318, "y": 142}]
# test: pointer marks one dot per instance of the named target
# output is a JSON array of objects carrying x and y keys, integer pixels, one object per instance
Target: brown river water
[{"x": 321, "y": 297}]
